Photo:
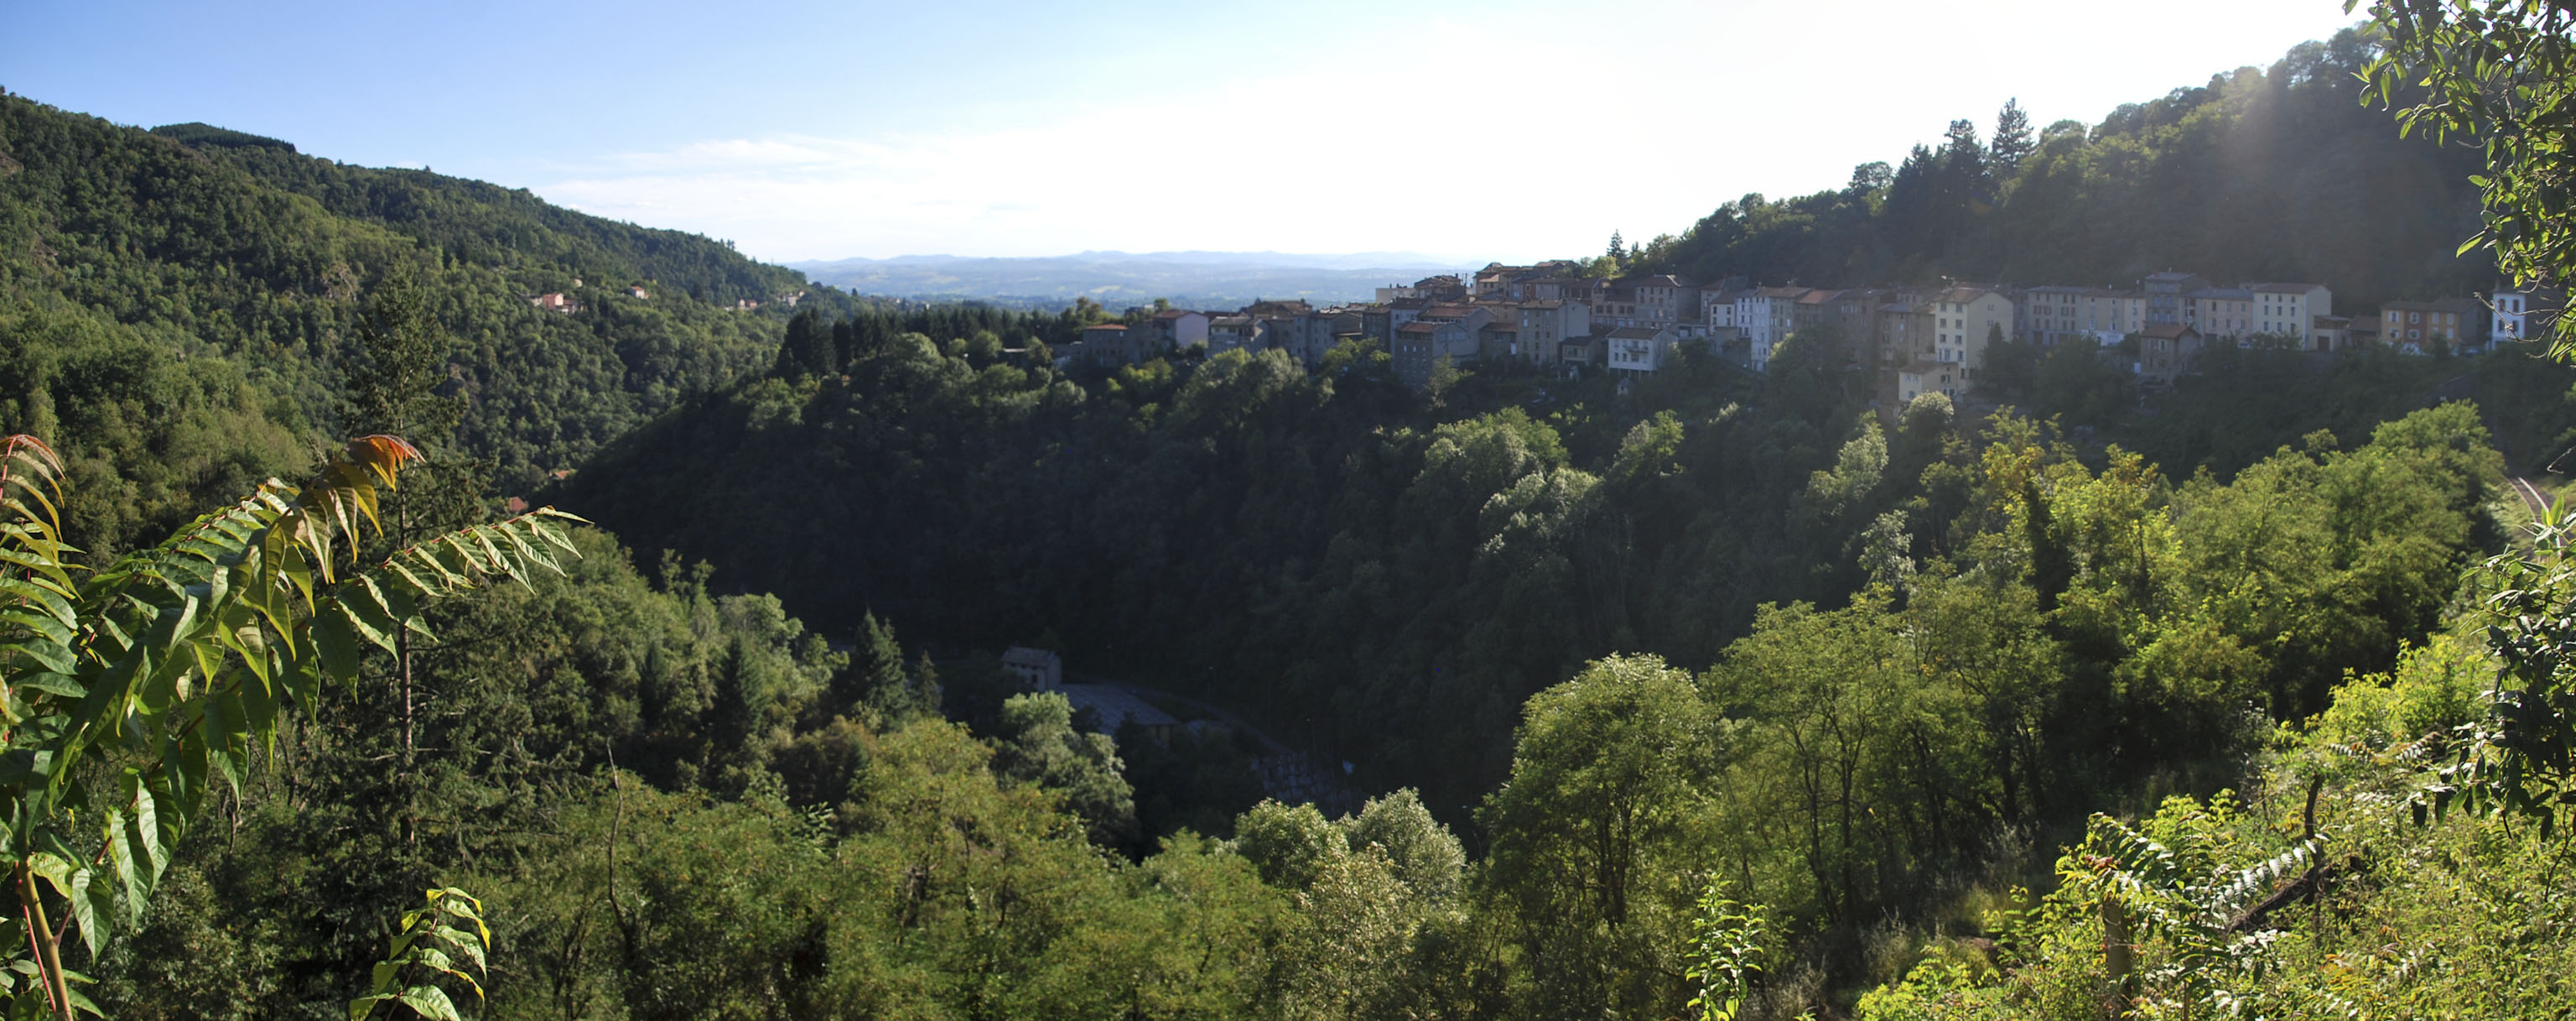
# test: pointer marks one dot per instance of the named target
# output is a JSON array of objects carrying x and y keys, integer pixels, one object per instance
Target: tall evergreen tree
[
  {"x": 2012, "y": 141},
  {"x": 808, "y": 350}
]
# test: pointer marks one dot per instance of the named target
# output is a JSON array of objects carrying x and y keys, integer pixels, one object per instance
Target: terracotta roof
[
  {"x": 1499, "y": 326},
  {"x": 1419, "y": 328},
  {"x": 1780, "y": 292},
  {"x": 1105, "y": 326}
]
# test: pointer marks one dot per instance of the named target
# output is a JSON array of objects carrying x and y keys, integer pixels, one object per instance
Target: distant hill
[
  {"x": 1119, "y": 279},
  {"x": 179, "y": 309}
]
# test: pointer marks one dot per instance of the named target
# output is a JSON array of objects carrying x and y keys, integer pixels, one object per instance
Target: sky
[{"x": 1497, "y": 130}]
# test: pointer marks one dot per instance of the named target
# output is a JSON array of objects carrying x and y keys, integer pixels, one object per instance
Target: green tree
[
  {"x": 1421, "y": 851},
  {"x": 1039, "y": 745},
  {"x": 1591, "y": 833},
  {"x": 135, "y": 691},
  {"x": 2501, "y": 74},
  {"x": 1288, "y": 845},
  {"x": 2012, "y": 142},
  {"x": 877, "y": 685}
]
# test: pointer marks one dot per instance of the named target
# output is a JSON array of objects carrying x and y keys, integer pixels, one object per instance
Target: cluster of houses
[
  {"x": 556, "y": 301},
  {"x": 1932, "y": 339}
]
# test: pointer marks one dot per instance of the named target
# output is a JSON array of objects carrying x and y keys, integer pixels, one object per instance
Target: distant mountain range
[{"x": 1120, "y": 279}]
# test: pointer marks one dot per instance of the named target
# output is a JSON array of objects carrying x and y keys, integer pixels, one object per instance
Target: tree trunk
[{"x": 2119, "y": 956}]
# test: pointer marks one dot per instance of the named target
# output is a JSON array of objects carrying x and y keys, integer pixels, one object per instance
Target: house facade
[
  {"x": 2423, "y": 327},
  {"x": 2522, "y": 315},
  {"x": 1635, "y": 350},
  {"x": 1918, "y": 378},
  {"x": 2165, "y": 350},
  {"x": 1766, "y": 316},
  {"x": 1964, "y": 320},
  {"x": 1546, "y": 324},
  {"x": 2290, "y": 311}
]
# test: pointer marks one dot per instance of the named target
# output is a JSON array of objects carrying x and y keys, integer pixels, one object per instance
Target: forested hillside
[
  {"x": 186, "y": 306},
  {"x": 1708, "y": 693},
  {"x": 1392, "y": 582},
  {"x": 2261, "y": 174}
]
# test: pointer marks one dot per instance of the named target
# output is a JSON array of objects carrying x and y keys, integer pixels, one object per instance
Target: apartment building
[
  {"x": 2422, "y": 327},
  {"x": 1964, "y": 321},
  {"x": 1766, "y": 316},
  {"x": 2291, "y": 311}
]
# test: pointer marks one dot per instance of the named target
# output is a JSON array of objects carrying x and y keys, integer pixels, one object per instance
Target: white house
[
  {"x": 2522, "y": 315},
  {"x": 1638, "y": 350},
  {"x": 1765, "y": 315}
]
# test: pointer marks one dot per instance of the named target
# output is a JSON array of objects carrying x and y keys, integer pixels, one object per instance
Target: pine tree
[
  {"x": 2012, "y": 140},
  {"x": 808, "y": 350},
  {"x": 875, "y": 686}
]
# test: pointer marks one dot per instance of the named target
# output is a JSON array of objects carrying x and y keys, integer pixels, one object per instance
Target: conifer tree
[{"x": 2012, "y": 140}]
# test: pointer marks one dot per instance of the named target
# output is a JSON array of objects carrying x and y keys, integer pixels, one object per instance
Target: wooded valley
[{"x": 1715, "y": 694}]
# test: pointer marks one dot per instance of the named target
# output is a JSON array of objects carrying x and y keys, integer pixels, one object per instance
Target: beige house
[
  {"x": 2419, "y": 327},
  {"x": 1964, "y": 320},
  {"x": 2291, "y": 311},
  {"x": 2165, "y": 350},
  {"x": 2220, "y": 313},
  {"x": 2054, "y": 315},
  {"x": 1919, "y": 378}
]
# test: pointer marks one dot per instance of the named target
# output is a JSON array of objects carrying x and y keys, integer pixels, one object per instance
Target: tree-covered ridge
[
  {"x": 2261, "y": 174},
  {"x": 178, "y": 249},
  {"x": 1393, "y": 583}
]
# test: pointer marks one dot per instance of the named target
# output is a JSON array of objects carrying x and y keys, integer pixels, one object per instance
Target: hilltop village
[{"x": 1933, "y": 340}]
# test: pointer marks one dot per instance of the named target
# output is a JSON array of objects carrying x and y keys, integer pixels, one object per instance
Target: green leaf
[
  {"x": 336, "y": 639},
  {"x": 366, "y": 606}
]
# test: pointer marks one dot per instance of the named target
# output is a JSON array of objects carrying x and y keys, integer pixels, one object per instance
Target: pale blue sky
[{"x": 806, "y": 130}]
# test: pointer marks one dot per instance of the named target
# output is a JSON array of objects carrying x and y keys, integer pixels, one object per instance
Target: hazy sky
[{"x": 816, "y": 130}]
